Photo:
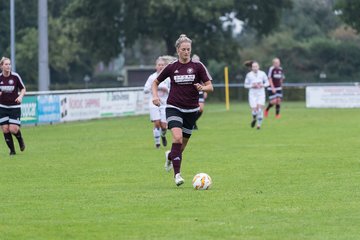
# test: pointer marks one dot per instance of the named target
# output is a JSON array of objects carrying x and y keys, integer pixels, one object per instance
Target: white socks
[
  {"x": 156, "y": 133},
  {"x": 260, "y": 116}
]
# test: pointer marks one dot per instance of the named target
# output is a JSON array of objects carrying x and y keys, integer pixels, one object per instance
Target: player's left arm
[
  {"x": 206, "y": 87},
  {"x": 206, "y": 79},
  {"x": 266, "y": 82},
  {"x": 283, "y": 78},
  {"x": 21, "y": 95}
]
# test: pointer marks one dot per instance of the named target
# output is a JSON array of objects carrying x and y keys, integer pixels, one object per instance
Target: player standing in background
[
  {"x": 256, "y": 81},
  {"x": 10, "y": 104},
  {"x": 276, "y": 78},
  {"x": 188, "y": 78},
  {"x": 157, "y": 113},
  {"x": 202, "y": 95}
]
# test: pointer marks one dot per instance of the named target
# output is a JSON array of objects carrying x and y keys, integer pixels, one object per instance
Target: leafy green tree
[
  {"x": 119, "y": 23},
  {"x": 348, "y": 10}
]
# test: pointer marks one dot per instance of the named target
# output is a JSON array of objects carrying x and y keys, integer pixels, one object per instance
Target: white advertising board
[
  {"x": 333, "y": 97},
  {"x": 75, "y": 107},
  {"x": 118, "y": 103}
]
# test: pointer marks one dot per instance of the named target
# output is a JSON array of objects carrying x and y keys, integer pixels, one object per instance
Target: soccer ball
[{"x": 201, "y": 181}]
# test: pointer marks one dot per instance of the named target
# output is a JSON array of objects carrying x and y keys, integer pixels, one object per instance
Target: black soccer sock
[
  {"x": 18, "y": 136},
  {"x": 20, "y": 140},
  {"x": 277, "y": 109},
  {"x": 269, "y": 106},
  {"x": 163, "y": 132},
  {"x": 9, "y": 141}
]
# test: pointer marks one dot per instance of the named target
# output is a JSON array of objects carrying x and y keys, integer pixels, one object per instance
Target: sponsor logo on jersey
[
  {"x": 184, "y": 79},
  {"x": 190, "y": 70},
  {"x": 176, "y": 71},
  {"x": 11, "y": 82},
  {"x": 7, "y": 88}
]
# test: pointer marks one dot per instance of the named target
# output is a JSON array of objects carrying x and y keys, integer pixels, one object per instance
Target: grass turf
[{"x": 296, "y": 178}]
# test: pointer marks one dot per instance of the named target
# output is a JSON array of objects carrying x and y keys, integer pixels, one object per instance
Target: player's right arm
[
  {"x": 165, "y": 73},
  {"x": 154, "y": 89},
  {"x": 270, "y": 79},
  {"x": 248, "y": 83},
  {"x": 272, "y": 85},
  {"x": 148, "y": 85}
]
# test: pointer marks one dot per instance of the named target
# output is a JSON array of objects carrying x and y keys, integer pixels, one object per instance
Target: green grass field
[{"x": 297, "y": 178}]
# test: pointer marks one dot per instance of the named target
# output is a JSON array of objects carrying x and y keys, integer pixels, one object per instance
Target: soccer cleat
[
  {"x": 178, "y": 179},
  {"x": 266, "y": 113},
  {"x": 258, "y": 127},
  {"x": 278, "y": 116},
  {"x": 157, "y": 146},
  {"x": 195, "y": 127},
  {"x": 253, "y": 122},
  {"x": 12, "y": 153},
  {"x": 164, "y": 141},
  {"x": 168, "y": 164}
]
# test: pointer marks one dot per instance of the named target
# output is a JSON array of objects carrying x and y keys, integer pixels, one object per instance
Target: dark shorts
[
  {"x": 277, "y": 94},
  {"x": 10, "y": 116},
  {"x": 179, "y": 119}
]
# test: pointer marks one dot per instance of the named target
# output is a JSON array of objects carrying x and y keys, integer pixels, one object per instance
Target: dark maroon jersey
[
  {"x": 183, "y": 94},
  {"x": 10, "y": 87},
  {"x": 277, "y": 75}
]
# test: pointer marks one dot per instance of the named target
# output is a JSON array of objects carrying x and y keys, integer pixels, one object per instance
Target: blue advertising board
[{"x": 48, "y": 108}]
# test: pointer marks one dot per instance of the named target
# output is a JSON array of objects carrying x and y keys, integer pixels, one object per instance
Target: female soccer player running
[
  {"x": 183, "y": 102},
  {"x": 157, "y": 113},
  {"x": 10, "y": 100},
  {"x": 276, "y": 78},
  {"x": 256, "y": 81}
]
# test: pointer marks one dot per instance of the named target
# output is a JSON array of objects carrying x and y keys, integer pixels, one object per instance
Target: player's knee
[
  {"x": 157, "y": 123},
  {"x": 13, "y": 129},
  {"x": 177, "y": 138},
  {"x": 5, "y": 128}
]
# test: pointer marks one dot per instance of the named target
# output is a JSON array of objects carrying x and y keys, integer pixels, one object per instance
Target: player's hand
[
  {"x": 273, "y": 90},
  {"x": 156, "y": 101},
  {"x": 18, "y": 99},
  {"x": 198, "y": 86}
]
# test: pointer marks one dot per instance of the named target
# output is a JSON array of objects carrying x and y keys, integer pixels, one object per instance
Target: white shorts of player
[
  {"x": 256, "y": 97},
  {"x": 158, "y": 113}
]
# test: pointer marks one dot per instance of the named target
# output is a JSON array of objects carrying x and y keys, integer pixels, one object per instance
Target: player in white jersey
[
  {"x": 256, "y": 81},
  {"x": 157, "y": 113}
]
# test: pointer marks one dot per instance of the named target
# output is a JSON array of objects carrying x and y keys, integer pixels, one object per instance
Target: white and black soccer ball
[{"x": 202, "y": 181}]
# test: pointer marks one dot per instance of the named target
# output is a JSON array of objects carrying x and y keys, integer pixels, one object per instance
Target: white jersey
[
  {"x": 256, "y": 95},
  {"x": 163, "y": 90},
  {"x": 259, "y": 77}
]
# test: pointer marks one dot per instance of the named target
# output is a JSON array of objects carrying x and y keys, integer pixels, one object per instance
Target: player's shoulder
[
  {"x": 173, "y": 63},
  {"x": 197, "y": 63},
  {"x": 153, "y": 76},
  {"x": 261, "y": 72},
  {"x": 15, "y": 74},
  {"x": 249, "y": 74}
]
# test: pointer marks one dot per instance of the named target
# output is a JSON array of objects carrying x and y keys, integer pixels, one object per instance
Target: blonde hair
[
  {"x": 181, "y": 39},
  {"x": 3, "y": 60},
  {"x": 167, "y": 59},
  {"x": 195, "y": 58}
]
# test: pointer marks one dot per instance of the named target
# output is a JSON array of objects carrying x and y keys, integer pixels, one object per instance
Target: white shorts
[
  {"x": 158, "y": 113},
  {"x": 256, "y": 98}
]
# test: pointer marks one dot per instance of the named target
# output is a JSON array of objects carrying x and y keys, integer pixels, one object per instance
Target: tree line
[{"x": 310, "y": 36}]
